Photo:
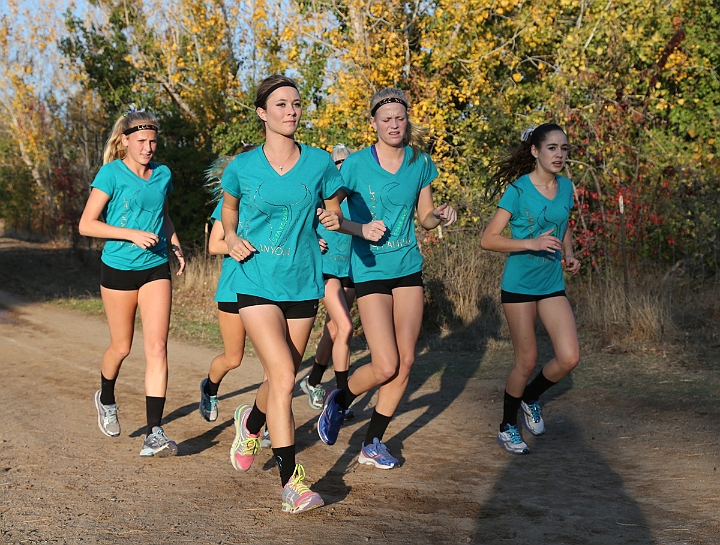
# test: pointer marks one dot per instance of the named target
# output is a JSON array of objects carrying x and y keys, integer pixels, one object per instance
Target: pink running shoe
[
  {"x": 246, "y": 445},
  {"x": 297, "y": 497}
]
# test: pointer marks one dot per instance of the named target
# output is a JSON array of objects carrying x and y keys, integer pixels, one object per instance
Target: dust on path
[{"x": 609, "y": 470}]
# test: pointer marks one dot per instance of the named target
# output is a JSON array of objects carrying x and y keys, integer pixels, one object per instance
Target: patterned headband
[
  {"x": 141, "y": 128},
  {"x": 387, "y": 100}
]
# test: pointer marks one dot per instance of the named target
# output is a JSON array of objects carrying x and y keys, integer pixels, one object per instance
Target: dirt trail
[{"x": 610, "y": 470}]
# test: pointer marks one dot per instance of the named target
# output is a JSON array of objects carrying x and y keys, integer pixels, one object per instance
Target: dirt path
[{"x": 612, "y": 469}]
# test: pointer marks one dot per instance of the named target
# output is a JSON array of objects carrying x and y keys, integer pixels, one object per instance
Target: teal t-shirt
[
  {"x": 278, "y": 215},
  {"x": 376, "y": 194},
  {"x": 136, "y": 204},
  {"x": 224, "y": 293},
  {"x": 528, "y": 272},
  {"x": 336, "y": 261}
]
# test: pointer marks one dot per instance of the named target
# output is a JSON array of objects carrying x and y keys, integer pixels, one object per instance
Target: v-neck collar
[
  {"x": 557, "y": 191},
  {"x": 128, "y": 169},
  {"x": 374, "y": 153},
  {"x": 279, "y": 175}
]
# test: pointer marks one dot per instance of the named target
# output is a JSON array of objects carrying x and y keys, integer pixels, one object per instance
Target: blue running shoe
[
  {"x": 208, "y": 404},
  {"x": 331, "y": 419},
  {"x": 376, "y": 454}
]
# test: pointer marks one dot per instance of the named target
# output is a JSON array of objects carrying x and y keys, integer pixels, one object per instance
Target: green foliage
[{"x": 17, "y": 190}]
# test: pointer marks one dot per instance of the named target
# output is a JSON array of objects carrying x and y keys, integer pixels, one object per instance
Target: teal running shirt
[
  {"x": 336, "y": 261},
  {"x": 528, "y": 272},
  {"x": 376, "y": 194},
  {"x": 224, "y": 293},
  {"x": 278, "y": 215},
  {"x": 136, "y": 204}
]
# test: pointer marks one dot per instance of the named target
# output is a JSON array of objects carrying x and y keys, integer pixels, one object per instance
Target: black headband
[
  {"x": 262, "y": 99},
  {"x": 141, "y": 128},
  {"x": 387, "y": 100}
]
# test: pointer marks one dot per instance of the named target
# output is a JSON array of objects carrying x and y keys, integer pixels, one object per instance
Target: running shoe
[
  {"x": 511, "y": 441},
  {"x": 376, "y": 454},
  {"x": 532, "y": 418},
  {"x": 349, "y": 414},
  {"x": 331, "y": 419},
  {"x": 297, "y": 497},
  {"x": 158, "y": 444},
  {"x": 316, "y": 394},
  {"x": 107, "y": 417},
  {"x": 265, "y": 440},
  {"x": 208, "y": 404},
  {"x": 246, "y": 445}
]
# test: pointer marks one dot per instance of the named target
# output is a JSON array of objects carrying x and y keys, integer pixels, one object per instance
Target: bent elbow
[{"x": 484, "y": 243}]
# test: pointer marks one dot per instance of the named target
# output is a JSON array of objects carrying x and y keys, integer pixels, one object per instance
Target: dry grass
[
  {"x": 194, "y": 312},
  {"x": 462, "y": 292},
  {"x": 463, "y": 310},
  {"x": 463, "y": 302},
  {"x": 641, "y": 316}
]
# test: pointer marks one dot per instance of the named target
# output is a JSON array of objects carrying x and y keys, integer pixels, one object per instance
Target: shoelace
[
  {"x": 514, "y": 435},
  {"x": 251, "y": 445},
  {"x": 534, "y": 412},
  {"x": 111, "y": 415},
  {"x": 318, "y": 397},
  {"x": 296, "y": 481}
]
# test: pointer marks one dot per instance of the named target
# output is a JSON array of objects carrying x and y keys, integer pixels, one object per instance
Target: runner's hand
[
  {"x": 374, "y": 230},
  {"x": 329, "y": 218},
  {"x": 445, "y": 213},
  {"x": 546, "y": 243},
  {"x": 240, "y": 249},
  {"x": 144, "y": 239}
]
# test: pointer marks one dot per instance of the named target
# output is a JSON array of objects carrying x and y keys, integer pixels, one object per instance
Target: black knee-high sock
[
  {"x": 107, "y": 390},
  {"x": 344, "y": 398},
  {"x": 341, "y": 378},
  {"x": 537, "y": 386},
  {"x": 378, "y": 425},
  {"x": 211, "y": 388},
  {"x": 256, "y": 420},
  {"x": 510, "y": 409},
  {"x": 153, "y": 409},
  {"x": 316, "y": 374},
  {"x": 285, "y": 460}
]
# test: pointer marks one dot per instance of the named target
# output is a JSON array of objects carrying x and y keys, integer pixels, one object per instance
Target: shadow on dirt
[
  {"x": 204, "y": 441},
  {"x": 564, "y": 492},
  {"x": 421, "y": 395}
]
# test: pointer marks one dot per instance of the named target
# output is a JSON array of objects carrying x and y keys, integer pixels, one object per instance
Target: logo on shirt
[{"x": 283, "y": 210}]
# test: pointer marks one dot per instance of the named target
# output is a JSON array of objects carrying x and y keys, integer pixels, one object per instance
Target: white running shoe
[
  {"x": 511, "y": 441},
  {"x": 532, "y": 418}
]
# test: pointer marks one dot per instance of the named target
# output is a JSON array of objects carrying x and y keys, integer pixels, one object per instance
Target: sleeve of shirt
[
  {"x": 230, "y": 181},
  {"x": 105, "y": 181},
  {"x": 217, "y": 213},
  {"x": 509, "y": 200},
  {"x": 332, "y": 179},
  {"x": 430, "y": 171}
]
